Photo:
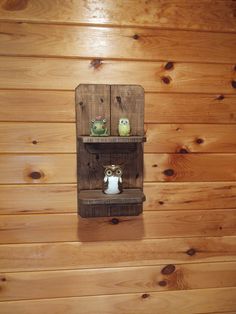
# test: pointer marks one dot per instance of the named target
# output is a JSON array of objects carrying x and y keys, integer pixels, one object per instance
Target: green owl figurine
[
  {"x": 98, "y": 127},
  {"x": 124, "y": 127}
]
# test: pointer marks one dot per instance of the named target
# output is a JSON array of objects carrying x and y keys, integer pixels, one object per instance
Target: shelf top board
[
  {"x": 112, "y": 139},
  {"x": 96, "y": 197}
]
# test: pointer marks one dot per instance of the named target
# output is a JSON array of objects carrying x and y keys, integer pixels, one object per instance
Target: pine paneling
[
  {"x": 66, "y": 74},
  {"x": 212, "y": 15},
  {"x": 153, "y": 224},
  {"x": 140, "y": 44}
]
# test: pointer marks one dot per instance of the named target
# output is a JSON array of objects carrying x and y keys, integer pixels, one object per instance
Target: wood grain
[
  {"x": 189, "y": 167},
  {"x": 140, "y": 44},
  {"x": 69, "y": 255},
  {"x": 186, "y": 138},
  {"x": 212, "y": 15},
  {"x": 182, "y": 195},
  {"x": 61, "y": 168},
  {"x": 159, "y": 224},
  {"x": 159, "y": 196},
  {"x": 37, "y": 137},
  {"x": 44, "y": 106},
  {"x": 58, "y": 106},
  {"x": 66, "y": 74},
  {"x": 168, "y": 302},
  {"x": 46, "y": 199},
  {"x": 39, "y": 285},
  {"x": 56, "y": 168},
  {"x": 190, "y": 108}
]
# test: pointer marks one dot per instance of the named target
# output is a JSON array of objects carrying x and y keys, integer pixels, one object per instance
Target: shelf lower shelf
[
  {"x": 112, "y": 139},
  {"x": 97, "y": 197}
]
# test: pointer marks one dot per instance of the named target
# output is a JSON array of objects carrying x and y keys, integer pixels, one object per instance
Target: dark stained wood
[
  {"x": 112, "y": 139},
  {"x": 127, "y": 102},
  {"x": 91, "y": 101}
]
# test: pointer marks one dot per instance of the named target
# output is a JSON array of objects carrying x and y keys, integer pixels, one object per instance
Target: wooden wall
[{"x": 180, "y": 255}]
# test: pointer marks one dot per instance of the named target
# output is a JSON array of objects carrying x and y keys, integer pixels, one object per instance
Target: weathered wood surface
[
  {"x": 58, "y": 106},
  {"x": 59, "y": 198},
  {"x": 140, "y": 44},
  {"x": 201, "y": 300},
  {"x": 37, "y": 106},
  {"x": 59, "y": 73},
  {"x": 187, "y": 138},
  {"x": 61, "y": 168},
  {"x": 39, "y": 285},
  {"x": 45, "y": 168},
  {"x": 69, "y": 255},
  {"x": 45, "y": 199},
  {"x": 151, "y": 225},
  {"x": 20, "y": 137},
  {"x": 211, "y": 15},
  {"x": 190, "y": 108},
  {"x": 189, "y": 167}
]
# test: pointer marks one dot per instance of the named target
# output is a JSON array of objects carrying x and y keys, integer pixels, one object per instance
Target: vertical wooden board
[
  {"x": 91, "y": 100},
  {"x": 127, "y": 101}
]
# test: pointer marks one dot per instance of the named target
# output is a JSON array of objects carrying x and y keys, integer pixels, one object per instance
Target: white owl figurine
[
  {"x": 112, "y": 179},
  {"x": 124, "y": 127}
]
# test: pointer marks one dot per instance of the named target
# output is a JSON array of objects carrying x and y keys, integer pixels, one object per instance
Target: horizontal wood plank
[
  {"x": 80, "y": 255},
  {"x": 66, "y": 74},
  {"x": 200, "y": 300},
  {"x": 55, "y": 168},
  {"x": 20, "y": 137},
  {"x": 140, "y": 44},
  {"x": 187, "y": 138},
  {"x": 190, "y": 167},
  {"x": 45, "y": 106},
  {"x": 159, "y": 196},
  {"x": 46, "y": 199},
  {"x": 159, "y": 224},
  {"x": 190, "y": 108},
  {"x": 61, "y": 168},
  {"x": 213, "y": 15},
  {"x": 39, "y": 285},
  {"x": 58, "y": 106},
  {"x": 182, "y": 195}
]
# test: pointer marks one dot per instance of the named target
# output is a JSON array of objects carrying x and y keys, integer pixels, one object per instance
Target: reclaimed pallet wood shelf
[
  {"x": 112, "y": 139},
  {"x": 111, "y": 102},
  {"x": 97, "y": 197}
]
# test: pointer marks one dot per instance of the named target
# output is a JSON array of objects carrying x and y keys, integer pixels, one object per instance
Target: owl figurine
[
  {"x": 112, "y": 179},
  {"x": 124, "y": 127}
]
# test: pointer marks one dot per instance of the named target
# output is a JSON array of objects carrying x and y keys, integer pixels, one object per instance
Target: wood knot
[
  {"x": 233, "y": 83},
  {"x": 183, "y": 151},
  {"x": 191, "y": 252},
  {"x": 169, "y": 65},
  {"x": 118, "y": 99},
  {"x": 15, "y": 5},
  {"x": 161, "y": 202},
  {"x": 199, "y": 141},
  {"x": 145, "y": 295},
  {"x": 220, "y": 97},
  {"x": 154, "y": 166},
  {"x": 114, "y": 221},
  {"x": 136, "y": 36},
  {"x": 34, "y": 142},
  {"x": 166, "y": 79},
  {"x": 169, "y": 172},
  {"x": 96, "y": 63},
  {"x": 35, "y": 175},
  {"x": 162, "y": 283},
  {"x": 3, "y": 279},
  {"x": 168, "y": 269}
]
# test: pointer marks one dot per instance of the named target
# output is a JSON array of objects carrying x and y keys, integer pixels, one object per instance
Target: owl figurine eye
[{"x": 108, "y": 173}]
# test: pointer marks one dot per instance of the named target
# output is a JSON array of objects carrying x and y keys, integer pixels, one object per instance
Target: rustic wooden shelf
[
  {"x": 112, "y": 139},
  {"x": 97, "y": 197}
]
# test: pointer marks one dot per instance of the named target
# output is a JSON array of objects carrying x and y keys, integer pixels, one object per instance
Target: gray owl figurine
[
  {"x": 112, "y": 179},
  {"x": 124, "y": 127}
]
